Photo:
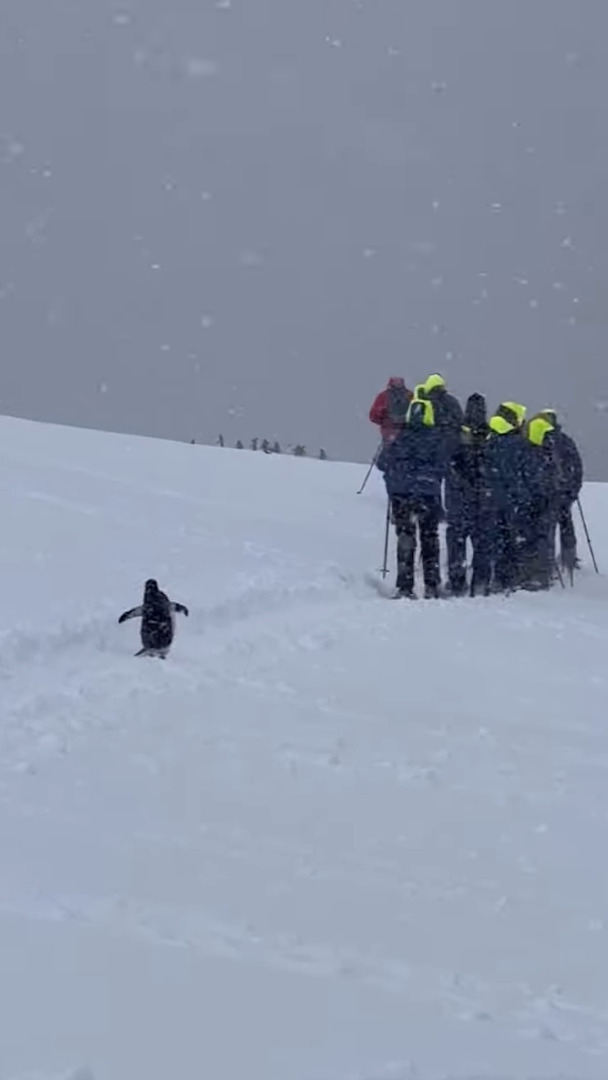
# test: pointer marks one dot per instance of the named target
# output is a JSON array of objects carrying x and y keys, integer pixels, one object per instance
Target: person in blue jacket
[
  {"x": 447, "y": 412},
  {"x": 413, "y": 466},
  {"x": 509, "y": 486},
  {"x": 466, "y": 496},
  {"x": 569, "y": 475},
  {"x": 449, "y": 419},
  {"x": 539, "y": 518}
]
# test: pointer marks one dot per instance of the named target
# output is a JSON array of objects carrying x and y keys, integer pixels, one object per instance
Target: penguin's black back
[{"x": 157, "y": 618}]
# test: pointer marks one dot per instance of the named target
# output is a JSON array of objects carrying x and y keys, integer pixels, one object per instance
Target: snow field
[{"x": 331, "y": 837}]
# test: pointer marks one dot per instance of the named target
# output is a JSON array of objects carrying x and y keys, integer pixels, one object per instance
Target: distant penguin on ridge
[{"x": 157, "y": 615}]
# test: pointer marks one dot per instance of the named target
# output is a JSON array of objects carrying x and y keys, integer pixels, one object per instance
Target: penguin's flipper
[
  {"x": 133, "y": 613},
  {"x": 181, "y": 608}
]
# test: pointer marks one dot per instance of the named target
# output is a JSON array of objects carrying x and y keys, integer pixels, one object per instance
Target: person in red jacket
[{"x": 389, "y": 408}]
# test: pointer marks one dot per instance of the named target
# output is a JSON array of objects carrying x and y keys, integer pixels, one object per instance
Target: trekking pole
[
  {"x": 554, "y": 561},
  {"x": 386, "y": 532},
  {"x": 580, "y": 510},
  {"x": 369, "y": 471}
]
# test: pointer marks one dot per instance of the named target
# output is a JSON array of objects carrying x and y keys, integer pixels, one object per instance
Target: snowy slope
[{"x": 331, "y": 837}]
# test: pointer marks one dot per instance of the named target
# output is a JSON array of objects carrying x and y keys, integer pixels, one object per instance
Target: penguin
[{"x": 157, "y": 615}]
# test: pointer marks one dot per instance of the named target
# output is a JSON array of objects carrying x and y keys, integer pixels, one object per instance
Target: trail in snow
[{"x": 330, "y": 833}]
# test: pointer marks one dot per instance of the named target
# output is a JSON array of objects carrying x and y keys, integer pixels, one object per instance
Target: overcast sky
[{"x": 243, "y": 216}]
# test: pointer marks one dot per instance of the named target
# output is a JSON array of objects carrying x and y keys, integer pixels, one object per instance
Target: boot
[
  {"x": 405, "y": 594},
  {"x": 404, "y": 586},
  {"x": 457, "y": 588}
]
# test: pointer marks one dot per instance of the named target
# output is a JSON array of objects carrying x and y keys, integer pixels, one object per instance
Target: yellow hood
[{"x": 434, "y": 382}]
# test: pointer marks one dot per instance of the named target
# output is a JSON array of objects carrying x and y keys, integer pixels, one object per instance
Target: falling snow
[{"x": 201, "y": 68}]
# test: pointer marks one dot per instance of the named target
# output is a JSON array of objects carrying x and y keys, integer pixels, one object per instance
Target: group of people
[{"x": 505, "y": 483}]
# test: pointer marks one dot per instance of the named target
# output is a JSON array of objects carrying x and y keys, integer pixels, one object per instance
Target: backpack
[{"x": 397, "y": 402}]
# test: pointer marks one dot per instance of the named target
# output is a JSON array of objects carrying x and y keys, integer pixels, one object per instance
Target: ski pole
[
  {"x": 580, "y": 510},
  {"x": 369, "y": 471},
  {"x": 386, "y": 532},
  {"x": 554, "y": 559}
]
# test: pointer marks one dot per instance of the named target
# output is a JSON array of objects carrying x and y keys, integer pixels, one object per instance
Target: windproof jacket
[
  {"x": 508, "y": 462},
  {"x": 468, "y": 478},
  {"x": 568, "y": 461},
  {"x": 381, "y": 413},
  {"x": 448, "y": 414},
  {"x": 413, "y": 462}
]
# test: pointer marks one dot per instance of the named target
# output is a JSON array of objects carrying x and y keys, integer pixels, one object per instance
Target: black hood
[{"x": 475, "y": 413}]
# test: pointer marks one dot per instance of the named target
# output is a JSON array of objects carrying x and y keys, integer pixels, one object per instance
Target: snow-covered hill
[{"x": 331, "y": 837}]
